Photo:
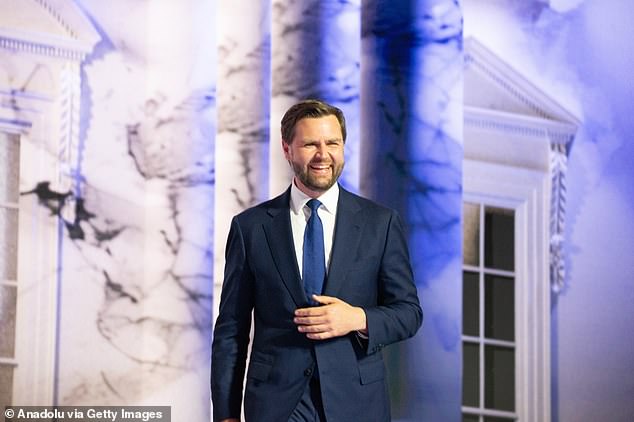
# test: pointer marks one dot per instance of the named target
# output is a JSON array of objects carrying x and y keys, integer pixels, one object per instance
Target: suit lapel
[
  {"x": 280, "y": 241},
  {"x": 345, "y": 241}
]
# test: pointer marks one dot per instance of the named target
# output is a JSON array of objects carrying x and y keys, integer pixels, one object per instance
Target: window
[
  {"x": 9, "y": 194},
  {"x": 488, "y": 329},
  {"x": 506, "y": 294}
]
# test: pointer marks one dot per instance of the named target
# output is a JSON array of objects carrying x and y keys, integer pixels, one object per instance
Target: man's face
[{"x": 316, "y": 154}]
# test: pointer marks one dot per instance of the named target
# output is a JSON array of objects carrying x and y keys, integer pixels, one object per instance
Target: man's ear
[{"x": 286, "y": 148}]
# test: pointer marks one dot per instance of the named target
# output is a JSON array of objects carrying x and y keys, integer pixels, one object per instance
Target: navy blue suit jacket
[{"x": 369, "y": 268}]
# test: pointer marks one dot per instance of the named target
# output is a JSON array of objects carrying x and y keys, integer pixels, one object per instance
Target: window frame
[
  {"x": 36, "y": 330},
  {"x": 527, "y": 192},
  {"x": 10, "y": 361}
]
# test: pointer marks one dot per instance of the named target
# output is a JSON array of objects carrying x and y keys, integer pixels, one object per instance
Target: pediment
[
  {"x": 51, "y": 27},
  {"x": 493, "y": 85}
]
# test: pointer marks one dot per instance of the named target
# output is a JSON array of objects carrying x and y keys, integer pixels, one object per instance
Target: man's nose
[{"x": 322, "y": 149}]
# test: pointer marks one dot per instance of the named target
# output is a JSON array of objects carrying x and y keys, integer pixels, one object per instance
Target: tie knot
[{"x": 313, "y": 204}]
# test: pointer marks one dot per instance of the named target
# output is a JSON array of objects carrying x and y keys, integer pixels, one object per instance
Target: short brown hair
[{"x": 311, "y": 109}]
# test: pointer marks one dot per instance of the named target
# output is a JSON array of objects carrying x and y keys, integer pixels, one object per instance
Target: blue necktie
[{"x": 314, "y": 263}]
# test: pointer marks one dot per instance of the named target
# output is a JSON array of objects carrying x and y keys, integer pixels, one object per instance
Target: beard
[{"x": 317, "y": 183}]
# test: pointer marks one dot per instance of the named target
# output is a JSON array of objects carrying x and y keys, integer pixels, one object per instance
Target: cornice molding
[
  {"x": 516, "y": 124},
  {"x": 79, "y": 39}
]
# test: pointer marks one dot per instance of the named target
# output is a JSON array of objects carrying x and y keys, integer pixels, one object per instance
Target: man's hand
[{"x": 335, "y": 318}]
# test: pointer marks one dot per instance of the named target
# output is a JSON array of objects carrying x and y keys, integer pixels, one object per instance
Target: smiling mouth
[{"x": 320, "y": 168}]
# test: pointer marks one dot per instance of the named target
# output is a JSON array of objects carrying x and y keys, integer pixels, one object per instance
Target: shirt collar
[{"x": 328, "y": 199}]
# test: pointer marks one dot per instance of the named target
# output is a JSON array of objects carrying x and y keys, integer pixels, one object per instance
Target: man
[{"x": 328, "y": 289}]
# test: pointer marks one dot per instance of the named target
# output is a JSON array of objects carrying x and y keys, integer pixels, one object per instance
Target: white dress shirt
[{"x": 299, "y": 216}]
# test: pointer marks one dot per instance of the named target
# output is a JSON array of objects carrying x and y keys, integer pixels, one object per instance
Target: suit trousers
[{"x": 310, "y": 407}]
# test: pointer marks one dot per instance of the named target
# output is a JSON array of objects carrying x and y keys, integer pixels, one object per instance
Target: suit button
[{"x": 308, "y": 372}]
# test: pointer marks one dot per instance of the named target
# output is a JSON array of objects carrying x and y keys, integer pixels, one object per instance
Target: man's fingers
[
  {"x": 320, "y": 328},
  {"x": 309, "y": 320},
  {"x": 318, "y": 332},
  {"x": 310, "y": 312},
  {"x": 318, "y": 310},
  {"x": 325, "y": 300},
  {"x": 320, "y": 336}
]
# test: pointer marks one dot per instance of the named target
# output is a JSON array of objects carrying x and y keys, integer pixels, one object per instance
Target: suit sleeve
[
  {"x": 231, "y": 333},
  {"x": 398, "y": 314}
]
